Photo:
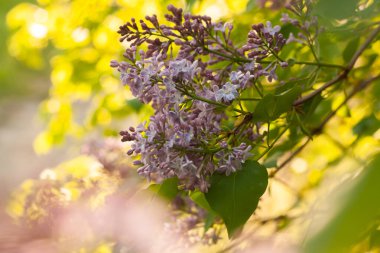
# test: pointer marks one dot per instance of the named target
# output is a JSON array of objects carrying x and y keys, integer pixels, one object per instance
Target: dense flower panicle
[
  {"x": 184, "y": 138},
  {"x": 263, "y": 41}
]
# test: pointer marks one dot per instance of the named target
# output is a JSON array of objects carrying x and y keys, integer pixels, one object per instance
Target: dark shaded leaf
[
  {"x": 272, "y": 106},
  {"x": 302, "y": 126},
  {"x": 314, "y": 111},
  {"x": 367, "y": 126},
  {"x": 350, "y": 49}
]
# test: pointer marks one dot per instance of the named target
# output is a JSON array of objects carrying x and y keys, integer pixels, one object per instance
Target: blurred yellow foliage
[{"x": 84, "y": 36}]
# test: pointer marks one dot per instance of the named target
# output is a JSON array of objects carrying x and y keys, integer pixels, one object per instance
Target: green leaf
[
  {"x": 199, "y": 198},
  {"x": 359, "y": 209},
  {"x": 303, "y": 127},
  {"x": 336, "y": 9},
  {"x": 291, "y": 62},
  {"x": 249, "y": 104},
  {"x": 235, "y": 197},
  {"x": 315, "y": 110},
  {"x": 285, "y": 100},
  {"x": 168, "y": 189},
  {"x": 367, "y": 126},
  {"x": 251, "y": 4},
  {"x": 272, "y": 106},
  {"x": 220, "y": 65},
  {"x": 190, "y": 4},
  {"x": 350, "y": 49},
  {"x": 135, "y": 104},
  {"x": 311, "y": 105},
  {"x": 271, "y": 161},
  {"x": 265, "y": 109},
  {"x": 209, "y": 221}
]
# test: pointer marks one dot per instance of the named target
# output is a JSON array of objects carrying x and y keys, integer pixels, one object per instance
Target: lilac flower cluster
[{"x": 190, "y": 96}]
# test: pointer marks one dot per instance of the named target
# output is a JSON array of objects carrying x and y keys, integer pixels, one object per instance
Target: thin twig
[
  {"x": 294, "y": 154},
  {"x": 343, "y": 75},
  {"x": 269, "y": 147},
  {"x": 363, "y": 47},
  {"x": 358, "y": 88},
  {"x": 319, "y": 129}
]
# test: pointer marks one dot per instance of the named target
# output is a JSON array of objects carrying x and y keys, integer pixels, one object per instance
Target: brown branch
[
  {"x": 356, "y": 89},
  {"x": 343, "y": 75},
  {"x": 319, "y": 129},
  {"x": 371, "y": 37}
]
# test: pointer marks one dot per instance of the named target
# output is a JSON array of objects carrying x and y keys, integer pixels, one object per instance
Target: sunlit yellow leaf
[
  {"x": 103, "y": 117},
  {"x": 366, "y": 147},
  {"x": 214, "y": 9},
  {"x": 315, "y": 176},
  {"x": 42, "y": 143},
  {"x": 62, "y": 70},
  {"x": 18, "y": 15},
  {"x": 236, "y": 6},
  {"x": 79, "y": 167}
]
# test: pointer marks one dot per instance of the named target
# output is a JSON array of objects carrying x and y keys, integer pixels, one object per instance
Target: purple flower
[
  {"x": 231, "y": 160},
  {"x": 227, "y": 93},
  {"x": 286, "y": 19},
  {"x": 236, "y": 76},
  {"x": 271, "y": 30}
]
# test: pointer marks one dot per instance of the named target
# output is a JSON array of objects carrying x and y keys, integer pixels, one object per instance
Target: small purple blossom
[
  {"x": 231, "y": 160},
  {"x": 286, "y": 19},
  {"x": 227, "y": 93},
  {"x": 271, "y": 30},
  {"x": 223, "y": 27},
  {"x": 292, "y": 38}
]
